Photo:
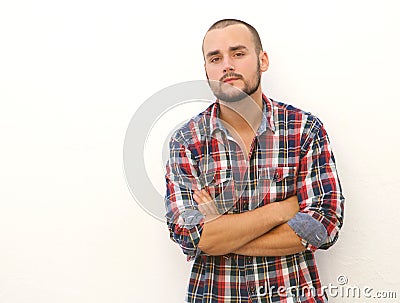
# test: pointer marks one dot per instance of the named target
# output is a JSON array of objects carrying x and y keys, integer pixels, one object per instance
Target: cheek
[
  {"x": 212, "y": 73},
  {"x": 247, "y": 68},
  {"x": 249, "y": 64}
]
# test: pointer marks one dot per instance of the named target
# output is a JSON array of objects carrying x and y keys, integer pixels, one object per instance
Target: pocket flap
[{"x": 276, "y": 174}]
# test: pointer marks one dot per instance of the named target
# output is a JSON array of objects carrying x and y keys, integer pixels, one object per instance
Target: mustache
[{"x": 230, "y": 75}]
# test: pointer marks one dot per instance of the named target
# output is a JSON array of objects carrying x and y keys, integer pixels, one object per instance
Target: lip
[{"x": 228, "y": 80}]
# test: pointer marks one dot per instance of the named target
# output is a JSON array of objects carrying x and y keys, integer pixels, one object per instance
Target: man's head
[{"x": 233, "y": 55}]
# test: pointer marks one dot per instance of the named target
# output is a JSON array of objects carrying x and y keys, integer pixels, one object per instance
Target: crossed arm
[
  {"x": 260, "y": 232},
  {"x": 268, "y": 230}
]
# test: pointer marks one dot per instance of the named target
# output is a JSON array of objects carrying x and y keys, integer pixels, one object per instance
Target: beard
[{"x": 228, "y": 93}]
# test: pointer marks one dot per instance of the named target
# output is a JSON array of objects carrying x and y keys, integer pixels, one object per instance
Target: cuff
[
  {"x": 310, "y": 230},
  {"x": 191, "y": 220}
]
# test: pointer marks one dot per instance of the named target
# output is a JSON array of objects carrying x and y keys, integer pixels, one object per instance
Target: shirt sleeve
[
  {"x": 185, "y": 222},
  {"x": 319, "y": 192}
]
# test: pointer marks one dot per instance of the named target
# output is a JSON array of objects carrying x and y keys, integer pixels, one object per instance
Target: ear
[{"x": 264, "y": 61}]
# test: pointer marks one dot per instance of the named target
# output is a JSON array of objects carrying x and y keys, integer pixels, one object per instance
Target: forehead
[{"x": 223, "y": 38}]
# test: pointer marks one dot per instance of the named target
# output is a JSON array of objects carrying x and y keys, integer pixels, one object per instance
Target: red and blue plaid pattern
[{"x": 290, "y": 155}]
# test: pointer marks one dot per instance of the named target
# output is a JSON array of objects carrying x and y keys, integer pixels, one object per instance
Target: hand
[
  {"x": 288, "y": 208},
  {"x": 205, "y": 203}
]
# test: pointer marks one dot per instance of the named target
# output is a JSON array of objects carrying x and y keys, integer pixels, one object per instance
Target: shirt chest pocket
[
  {"x": 221, "y": 186},
  {"x": 275, "y": 184}
]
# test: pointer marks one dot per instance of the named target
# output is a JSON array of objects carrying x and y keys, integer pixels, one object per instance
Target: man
[{"x": 252, "y": 186}]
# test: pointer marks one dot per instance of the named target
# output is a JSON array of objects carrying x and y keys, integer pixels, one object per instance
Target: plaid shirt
[{"x": 290, "y": 155}]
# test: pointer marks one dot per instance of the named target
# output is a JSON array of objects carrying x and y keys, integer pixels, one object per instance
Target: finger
[
  {"x": 196, "y": 197},
  {"x": 206, "y": 209},
  {"x": 199, "y": 197},
  {"x": 210, "y": 202},
  {"x": 202, "y": 209},
  {"x": 210, "y": 206},
  {"x": 206, "y": 194},
  {"x": 203, "y": 196},
  {"x": 205, "y": 203},
  {"x": 213, "y": 207}
]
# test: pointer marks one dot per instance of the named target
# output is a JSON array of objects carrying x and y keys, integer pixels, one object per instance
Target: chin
[{"x": 231, "y": 89}]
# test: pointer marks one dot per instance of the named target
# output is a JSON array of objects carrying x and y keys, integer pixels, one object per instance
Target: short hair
[{"x": 227, "y": 22}]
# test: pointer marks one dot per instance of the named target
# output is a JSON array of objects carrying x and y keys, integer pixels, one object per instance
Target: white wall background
[{"x": 72, "y": 74}]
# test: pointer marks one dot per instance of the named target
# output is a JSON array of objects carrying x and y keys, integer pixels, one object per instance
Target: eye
[
  {"x": 214, "y": 60},
  {"x": 239, "y": 54}
]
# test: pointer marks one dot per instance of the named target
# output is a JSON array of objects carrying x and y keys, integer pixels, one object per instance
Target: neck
[{"x": 243, "y": 115}]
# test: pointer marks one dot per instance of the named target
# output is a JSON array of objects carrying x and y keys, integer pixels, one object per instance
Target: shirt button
[{"x": 249, "y": 260}]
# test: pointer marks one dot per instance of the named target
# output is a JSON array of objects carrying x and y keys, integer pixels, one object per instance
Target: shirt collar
[{"x": 267, "y": 120}]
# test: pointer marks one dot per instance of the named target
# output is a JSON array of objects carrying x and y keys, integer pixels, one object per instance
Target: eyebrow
[
  {"x": 231, "y": 49},
  {"x": 237, "y": 47}
]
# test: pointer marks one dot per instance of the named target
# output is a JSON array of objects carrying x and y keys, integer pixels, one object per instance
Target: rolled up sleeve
[
  {"x": 185, "y": 222},
  {"x": 319, "y": 192}
]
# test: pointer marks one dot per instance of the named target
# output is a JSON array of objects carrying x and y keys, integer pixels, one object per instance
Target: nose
[
  {"x": 228, "y": 69},
  {"x": 228, "y": 66}
]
